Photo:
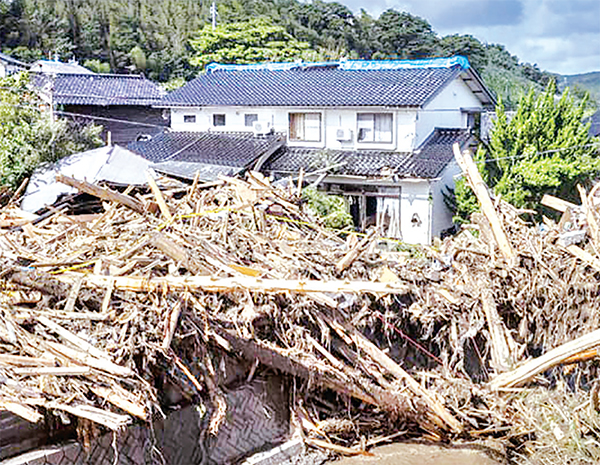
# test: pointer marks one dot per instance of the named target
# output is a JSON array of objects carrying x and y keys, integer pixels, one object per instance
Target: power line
[
  {"x": 135, "y": 123},
  {"x": 82, "y": 115}
]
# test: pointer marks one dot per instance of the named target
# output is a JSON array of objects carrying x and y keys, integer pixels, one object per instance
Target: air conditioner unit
[
  {"x": 261, "y": 128},
  {"x": 343, "y": 134}
]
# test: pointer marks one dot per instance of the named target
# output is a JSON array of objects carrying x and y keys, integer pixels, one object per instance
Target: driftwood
[
  {"x": 466, "y": 163},
  {"x": 375, "y": 343},
  {"x": 105, "y": 194},
  {"x": 554, "y": 357},
  {"x": 211, "y": 284}
]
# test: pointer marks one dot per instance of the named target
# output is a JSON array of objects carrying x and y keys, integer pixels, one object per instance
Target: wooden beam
[
  {"x": 211, "y": 284},
  {"x": 501, "y": 342},
  {"x": 465, "y": 161},
  {"x": 584, "y": 256},
  {"x": 554, "y": 357},
  {"x": 160, "y": 200},
  {"x": 557, "y": 204},
  {"x": 105, "y": 194}
]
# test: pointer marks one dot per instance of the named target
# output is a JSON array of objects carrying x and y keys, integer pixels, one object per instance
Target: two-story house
[{"x": 382, "y": 131}]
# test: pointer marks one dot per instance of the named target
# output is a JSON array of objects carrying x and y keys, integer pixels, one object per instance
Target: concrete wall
[{"x": 257, "y": 418}]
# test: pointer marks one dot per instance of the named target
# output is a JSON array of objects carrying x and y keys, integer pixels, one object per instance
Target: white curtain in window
[
  {"x": 312, "y": 127},
  {"x": 365, "y": 127},
  {"x": 374, "y": 127},
  {"x": 383, "y": 127}
]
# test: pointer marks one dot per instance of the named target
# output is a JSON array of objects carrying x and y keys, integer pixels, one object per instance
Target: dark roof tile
[
  {"x": 231, "y": 149},
  {"x": 304, "y": 84},
  {"x": 99, "y": 89},
  {"x": 427, "y": 162}
]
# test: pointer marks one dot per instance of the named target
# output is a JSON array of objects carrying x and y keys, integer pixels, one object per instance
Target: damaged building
[{"x": 381, "y": 131}]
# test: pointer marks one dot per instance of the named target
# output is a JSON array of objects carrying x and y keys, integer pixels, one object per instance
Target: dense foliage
[
  {"x": 542, "y": 148},
  {"x": 332, "y": 209},
  {"x": 29, "y": 137},
  {"x": 165, "y": 39},
  {"x": 252, "y": 41}
]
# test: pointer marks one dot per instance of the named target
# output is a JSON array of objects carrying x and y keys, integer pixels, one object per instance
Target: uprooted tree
[{"x": 545, "y": 148}]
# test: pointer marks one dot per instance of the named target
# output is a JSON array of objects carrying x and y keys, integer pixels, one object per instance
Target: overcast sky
[{"x": 562, "y": 36}]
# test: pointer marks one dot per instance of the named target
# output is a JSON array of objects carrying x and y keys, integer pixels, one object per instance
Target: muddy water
[{"x": 422, "y": 454}]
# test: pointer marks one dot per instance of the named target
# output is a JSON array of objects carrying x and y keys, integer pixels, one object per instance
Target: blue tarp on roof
[{"x": 346, "y": 65}]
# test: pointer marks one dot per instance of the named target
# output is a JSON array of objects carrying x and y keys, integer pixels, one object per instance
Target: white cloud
[{"x": 561, "y": 36}]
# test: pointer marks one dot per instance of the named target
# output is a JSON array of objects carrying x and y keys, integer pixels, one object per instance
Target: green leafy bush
[
  {"x": 332, "y": 209},
  {"x": 29, "y": 136}
]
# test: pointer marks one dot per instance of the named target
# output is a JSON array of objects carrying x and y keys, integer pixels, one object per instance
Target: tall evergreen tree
[{"x": 544, "y": 148}]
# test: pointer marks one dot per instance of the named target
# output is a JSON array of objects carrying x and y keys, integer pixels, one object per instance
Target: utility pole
[{"x": 213, "y": 13}]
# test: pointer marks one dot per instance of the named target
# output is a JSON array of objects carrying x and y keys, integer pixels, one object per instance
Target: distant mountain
[{"x": 587, "y": 81}]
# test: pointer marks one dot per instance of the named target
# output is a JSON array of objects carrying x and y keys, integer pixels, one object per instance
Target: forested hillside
[
  {"x": 166, "y": 39},
  {"x": 587, "y": 81}
]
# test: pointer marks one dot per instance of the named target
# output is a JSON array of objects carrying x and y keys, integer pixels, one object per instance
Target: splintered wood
[{"x": 103, "y": 315}]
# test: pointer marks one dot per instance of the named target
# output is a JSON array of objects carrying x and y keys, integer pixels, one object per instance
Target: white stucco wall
[
  {"x": 444, "y": 110},
  {"x": 403, "y": 136},
  {"x": 415, "y": 200}
]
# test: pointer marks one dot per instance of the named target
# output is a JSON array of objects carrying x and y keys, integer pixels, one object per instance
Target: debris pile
[{"x": 450, "y": 343}]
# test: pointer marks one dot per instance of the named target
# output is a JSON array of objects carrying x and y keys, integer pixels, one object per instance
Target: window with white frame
[
  {"x": 305, "y": 127},
  {"x": 374, "y": 127},
  {"x": 189, "y": 118},
  {"x": 249, "y": 119}
]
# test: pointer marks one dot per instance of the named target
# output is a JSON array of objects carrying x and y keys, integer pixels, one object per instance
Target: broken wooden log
[
  {"x": 552, "y": 358},
  {"x": 465, "y": 161},
  {"x": 211, "y": 284},
  {"x": 105, "y": 194}
]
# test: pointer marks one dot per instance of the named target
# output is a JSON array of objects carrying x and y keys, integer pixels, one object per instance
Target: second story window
[
  {"x": 189, "y": 118},
  {"x": 249, "y": 119},
  {"x": 305, "y": 127},
  {"x": 374, "y": 127},
  {"x": 219, "y": 120}
]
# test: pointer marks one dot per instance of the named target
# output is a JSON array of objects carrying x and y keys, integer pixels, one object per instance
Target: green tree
[
  {"x": 29, "y": 138},
  {"x": 332, "y": 209},
  {"x": 253, "y": 41},
  {"x": 402, "y": 35},
  {"x": 97, "y": 66},
  {"x": 465, "y": 45},
  {"x": 544, "y": 148}
]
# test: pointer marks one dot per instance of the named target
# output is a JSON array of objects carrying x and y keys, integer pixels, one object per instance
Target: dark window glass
[
  {"x": 189, "y": 118},
  {"x": 218, "y": 120},
  {"x": 249, "y": 119}
]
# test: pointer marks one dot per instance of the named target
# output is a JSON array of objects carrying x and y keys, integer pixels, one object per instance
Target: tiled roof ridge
[
  {"x": 94, "y": 75},
  {"x": 440, "y": 131},
  {"x": 231, "y": 133},
  {"x": 348, "y": 65}
]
